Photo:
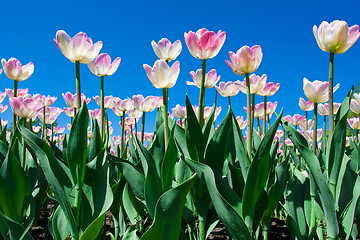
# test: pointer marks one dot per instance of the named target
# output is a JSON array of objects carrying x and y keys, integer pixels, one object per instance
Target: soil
[{"x": 278, "y": 228}]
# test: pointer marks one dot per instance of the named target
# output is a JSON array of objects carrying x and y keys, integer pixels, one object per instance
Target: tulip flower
[
  {"x": 24, "y": 107},
  {"x": 354, "y": 123},
  {"x": 2, "y": 96},
  {"x": 306, "y": 105},
  {"x": 71, "y": 100},
  {"x": 3, "y": 108},
  {"x": 355, "y": 103},
  {"x": 334, "y": 37},
  {"x": 241, "y": 122},
  {"x": 317, "y": 91},
  {"x": 257, "y": 83},
  {"x": 15, "y": 71},
  {"x": 51, "y": 114},
  {"x": 204, "y": 44},
  {"x": 179, "y": 112},
  {"x": 211, "y": 78},
  {"x": 165, "y": 50},
  {"x": 36, "y": 129},
  {"x": 207, "y": 111},
  {"x": 228, "y": 89},
  {"x": 79, "y": 49},
  {"x": 122, "y": 106},
  {"x": 69, "y": 111}
]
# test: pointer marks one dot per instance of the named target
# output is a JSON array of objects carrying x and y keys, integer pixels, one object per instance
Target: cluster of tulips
[{"x": 181, "y": 180}]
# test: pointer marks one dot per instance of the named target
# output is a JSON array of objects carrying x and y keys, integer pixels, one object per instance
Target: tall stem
[
  {"x": 43, "y": 125},
  {"x": 312, "y": 226},
  {"x": 229, "y": 102},
  {"x": 102, "y": 107},
  {"x": 331, "y": 98},
  {"x": 15, "y": 95},
  {"x": 142, "y": 127},
  {"x": 306, "y": 123},
  {"x": 249, "y": 135},
  {"x": 166, "y": 125},
  {"x": 122, "y": 132},
  {"x": 324, "y": 134},
  {"x": 259, "y": 130},
  {"x": 315, "y": 129},
  {"x": 264, "y": 120},
  {"x": 24, "y": 148},
  {"x": 78, "y": 90},
  {"x": 202, "y": 95}
]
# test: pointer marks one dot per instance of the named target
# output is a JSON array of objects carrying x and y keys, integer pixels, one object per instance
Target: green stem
[
  {"x": 259, "y": 130},
  {"x": 202, "y": 95},
  {"x": 15, "y": 95},
  {"x": 142, "y": 127},
  {"x": 249, "y": 136},
  {"x": 78, "y": 190},
  {"x": 78, "y": 90},
  {"x": 306, "y": 123},
  {"x": 102, "y": 107},
  {"x": 252, "y": 113},
  {"x": 324, "y": 134},
  {"x": 331, "y": 98},
  {"x": 266, "y": 223},
  {"x": 229, "y": 98},
  {"x": 24, "y": 149},
  {"x": 166, "y": 125},
  {"x": 315, "y": 129},
  {"x": 122, "y": 132},
  {"x": 312, "y": 226},
  {"x": 202, "y": 228},
  {"x": 264, "y": 120},
  {"x": 52, "y": 132},
  {"x": 43, "y": 125}
]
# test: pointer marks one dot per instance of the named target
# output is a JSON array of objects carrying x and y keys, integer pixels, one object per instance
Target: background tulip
[
  {"x": 102, "y": 66},
  {"x": 317, "y": 91},
  {"x": 15, "y": 71},
  {"x": 24, "y": 107},
  {"x": 162, "y": 75},
  {"x": 165, "y": 50},
  {"x": 211, "y": 78},
  {"x": 257, "y": 83},
  {"x": 246, "y": 60}
]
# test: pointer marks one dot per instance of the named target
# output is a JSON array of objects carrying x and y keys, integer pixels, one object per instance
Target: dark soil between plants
[{"x": 278, "y": 228}]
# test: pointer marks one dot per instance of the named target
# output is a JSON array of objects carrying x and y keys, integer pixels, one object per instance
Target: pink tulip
[
  {"x": 134, "y": 113},
  {"x": 246, "y": 60},
  {"x": 241, "y": 122},
  {"x": 207, "y": 111},
  {"x": 355, "y": 103},
  {"x": 69, "y": 111},
  {"x": 59, "y": 130},
  {"x": 108, "y": 101},
  {"x": 306, "y": 105},
  {"x": 323, "y": 109},
  {"x": 228, "y": 89},
  {"x": 20, "y": 92},
  {"x": 36, "y": 129},
  {"x": 336, "y": 37},
  {"x": 354, "y": 123},
  {"x": 298, "y": 119},
  {"x": 102, "y": 65},
  {"x": 24, "y": 107},
  {"x": 310, "y": 125},
  {"x": 117, "y": 112},
  {"x": 257, "y": 83},
  {"x": 317, "y": 91},
  {"x": 51, "y": 114},
  {"x": 165, "y": 50},
  {"x": 211, "y": 78},
  {"x": 271, "y": 107},
  {"x": 95, "y": 114},
  {"x": 159, "y": 102},
  {"x": 309, "y": 134},
  {"x": 258, "y": 110},
  {"x": 3, "y": 108},
  {"x": 204, "y": 44},
  {"x": 162, "y": 75},
  {"x": 79, "y": 48},
  {"x": 288, "y": 142},
  {"x": 123, "y": 105},
  {"x": 179, "y": 112},
  {"x": 147, "y": 104},
  {"x": 70, "y": 99},
  {"x": 269, "y": 89},
  {"x": 2, "y": 96},
  {"x": 15, "y": 71}
]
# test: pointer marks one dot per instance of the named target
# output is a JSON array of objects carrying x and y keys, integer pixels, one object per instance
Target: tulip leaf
[
  {"x": 193, "y": 134},
  {"x": 168, "y": 163},
  {"x": 226, "y": 202},
  {"x": 240, "y": 148},
  {"x": 168, "y": 213},
  {"x": 257, "y": 176},
  {"x": 77, "y": 145},
  {"x": 58, "y": 225},
  {"x": 217, "y": 147},
  {"x": 96, "y": 144},
  {"x": 54, "y": 173},
  {"x": 134, "y": 177},
  {"x": 153, "y": 185},
  {"x": 16, "y": 230},
  {"x": 326, "y": 197},
  {"x": 338, "y": 141},
  {"x": 209, "y": 124},
  {"x": 348, "y": 219},
  {"x": 14, "y": 187}
]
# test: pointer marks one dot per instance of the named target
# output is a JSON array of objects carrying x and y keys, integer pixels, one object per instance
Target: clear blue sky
[{"x": 126, "y": 28}]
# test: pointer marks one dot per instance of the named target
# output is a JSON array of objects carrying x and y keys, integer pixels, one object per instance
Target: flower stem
[
  {"x": 142, "y": 127},
  {"x": 102, "y": 107},
  {"x": 264, "y": 120},
  {"x": 43, "y": 125},
  {"x": 315, "y": 129},
  {"x": 78, "y": 90},
  {"x": 312, "y": 226},
  {"x": 166, "y": 125},
  {"x": 249, "y": 135},
  {"x": 122, "y": 132},
  {"x": 229, "y": 98},
  {"x": 306, "y": 123},
  {"x": 202, "y": 95},
  {"x": 324, "y": 134},
  {"x": 15, "y": 95},
  {"x": 331, "y": 98},
  {"x": 24, "y": 148}
]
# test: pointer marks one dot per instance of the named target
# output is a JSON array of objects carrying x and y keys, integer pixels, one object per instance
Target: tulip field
[{"x": 189, "y": 177}]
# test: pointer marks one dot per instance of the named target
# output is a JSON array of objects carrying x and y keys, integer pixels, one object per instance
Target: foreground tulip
[
  {"x": 165, "y": 50},
  {"x": 24, "y": 107},
  {"x": 79, "y": 49},
  {"x": 334, "y": 37},
  {"x": 15, "y": 71},
  {"x": 317, "y": 91},
  {"x": 204, "y": 44}
]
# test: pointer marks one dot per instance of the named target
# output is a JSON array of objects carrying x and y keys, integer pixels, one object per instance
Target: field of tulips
[{"x": 189, "y": 176}]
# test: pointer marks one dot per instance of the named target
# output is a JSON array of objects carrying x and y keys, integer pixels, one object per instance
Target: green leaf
[
  {"x": 96, "y": 144},
  {"x": 193, "y": 134},
  {"x": 16, "y": 231},
  {"x": 226, "y": 202},
  {"x": 258, "y": 176},
  {"x": 240, "y": 148},
  {"x": 59, "y": 226},
  {"x": 217, "y": 146},
  {"x": 54, "y": 173},
  {"x": 338, "y": 141},
  {"x": 15, "y": 189},
  {"x": 326, "y": 197},
  {"x": 348, "y": 219},
  {"x": 77, "y": 145},
  {"x": 209, "y": 124},
  {"x": 168, "y": 164},
  {"x": 168, "y": 213}
]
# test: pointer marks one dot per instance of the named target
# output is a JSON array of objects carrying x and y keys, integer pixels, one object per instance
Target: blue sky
[{"x": 126, "y": 28}]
